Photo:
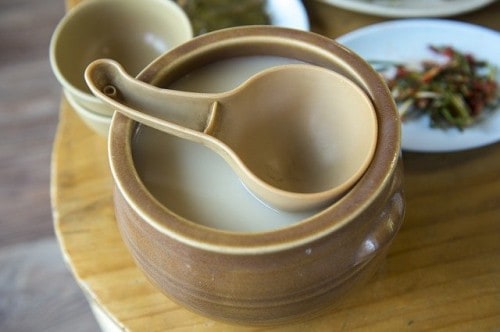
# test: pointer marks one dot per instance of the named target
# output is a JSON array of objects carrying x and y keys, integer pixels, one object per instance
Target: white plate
[
  {"x": 289, "y": 14},
  {"x": 411, "y": 8},
  {"x": 407, "y": 41}
]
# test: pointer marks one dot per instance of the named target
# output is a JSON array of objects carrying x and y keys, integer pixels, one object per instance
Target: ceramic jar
[{"x": 272, "y": 276}]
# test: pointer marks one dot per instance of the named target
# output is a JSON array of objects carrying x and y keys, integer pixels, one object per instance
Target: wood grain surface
[{"x": 441, "y": 273}]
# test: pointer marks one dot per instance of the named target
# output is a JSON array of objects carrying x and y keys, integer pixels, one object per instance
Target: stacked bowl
[{"x": 131, "y": 32}]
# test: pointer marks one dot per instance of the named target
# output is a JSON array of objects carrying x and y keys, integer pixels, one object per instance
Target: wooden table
[{"x": 442, "y": 271}]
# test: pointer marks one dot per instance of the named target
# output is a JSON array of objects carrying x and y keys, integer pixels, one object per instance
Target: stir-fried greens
[
  {"x": 456, "y": 93},
  {"x": 210, "y": 15}
]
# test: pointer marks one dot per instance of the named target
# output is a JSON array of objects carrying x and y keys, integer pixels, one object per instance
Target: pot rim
[{"x": 179, "y": 61}]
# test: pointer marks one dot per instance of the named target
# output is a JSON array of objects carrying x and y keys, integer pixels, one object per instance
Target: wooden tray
[{"x": 442, "y": 271}]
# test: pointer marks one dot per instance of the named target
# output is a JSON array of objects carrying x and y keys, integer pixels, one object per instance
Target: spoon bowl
[{"x": 282, "y": 131}]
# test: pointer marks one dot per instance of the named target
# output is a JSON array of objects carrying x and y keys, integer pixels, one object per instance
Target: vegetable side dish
[
  {"x": 456, "y": 93},
  {"x": 210, "y": 15}
]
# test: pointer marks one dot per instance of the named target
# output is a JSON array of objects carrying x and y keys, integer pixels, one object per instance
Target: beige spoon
[{"x": 297, "y": 135}]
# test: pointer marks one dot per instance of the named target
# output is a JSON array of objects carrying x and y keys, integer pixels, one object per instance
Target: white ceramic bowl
[
  {"x": 411, "y": 8},
  {"x": 288, "y": 14}
]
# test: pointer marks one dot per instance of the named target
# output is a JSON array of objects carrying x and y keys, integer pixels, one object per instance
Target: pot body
[{"x": 275, "y": 276}]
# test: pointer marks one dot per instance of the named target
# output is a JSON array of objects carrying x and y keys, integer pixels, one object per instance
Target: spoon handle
[{"x": 176, "y": 112}]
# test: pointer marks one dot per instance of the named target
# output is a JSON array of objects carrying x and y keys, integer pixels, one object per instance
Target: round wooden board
[{"x": 442, "y": 271}]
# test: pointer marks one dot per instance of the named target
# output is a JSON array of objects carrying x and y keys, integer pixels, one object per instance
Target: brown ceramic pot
[{"x": 275, "y": 276}]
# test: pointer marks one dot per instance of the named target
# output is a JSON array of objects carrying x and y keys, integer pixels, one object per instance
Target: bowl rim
[{"x": 376, "y": 178}]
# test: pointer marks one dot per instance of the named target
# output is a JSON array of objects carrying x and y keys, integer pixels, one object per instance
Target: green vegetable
[
  {"x": 210, "y": 15},
  {"x": 457, "y": 93}
]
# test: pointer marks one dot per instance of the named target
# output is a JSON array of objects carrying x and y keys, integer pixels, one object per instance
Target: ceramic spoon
[{"x": 297, "y": 135}]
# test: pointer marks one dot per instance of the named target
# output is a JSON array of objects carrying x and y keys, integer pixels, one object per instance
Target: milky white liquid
[{"x": 195, "y": 182}]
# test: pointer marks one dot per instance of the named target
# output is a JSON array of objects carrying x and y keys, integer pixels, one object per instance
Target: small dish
[
  {"x": 411, "y": 8},
  {"x": 125, "y": 30},
  {"x": 407, "y": 41}
]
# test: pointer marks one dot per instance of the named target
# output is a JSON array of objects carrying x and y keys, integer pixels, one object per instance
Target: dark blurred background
[{"x": 37, "y": 291}]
